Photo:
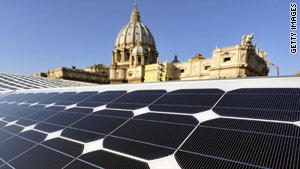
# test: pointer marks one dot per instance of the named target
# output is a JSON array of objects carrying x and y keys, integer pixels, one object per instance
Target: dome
[
  {"x": 175, "y": 59},
  {"x": 135, "y": 31},
  {"x": 139, "y": 50}
]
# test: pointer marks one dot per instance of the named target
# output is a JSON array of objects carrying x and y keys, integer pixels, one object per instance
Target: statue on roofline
[
  {"x": 243, "y": 40},
  {"x": 249, "y": 38}
]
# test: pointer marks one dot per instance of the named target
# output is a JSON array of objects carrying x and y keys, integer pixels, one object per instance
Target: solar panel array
[
  {"x": 18, "y": 82},
  {"x": 171, "y": 125}
]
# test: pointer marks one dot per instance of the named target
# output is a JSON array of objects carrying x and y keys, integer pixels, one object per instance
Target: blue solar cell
[
  {"x": 270, "y": 151},
  {"x": 273, "y": 104},
  {"x": 65, "y": 146},
  {"x": 48, "y": 127},
  {"x": 13, "y": 147},
  {"x": 116, "y": 113},
  {"x": 106, "y": 159},
  {"x": 136, "y": 99},
  {"x": 13, "y": 129},
  {"x": 101, "y": 98},
  {"x": 187, "y": 100},
  {"x": 33, "y": 135},
  {"x": 99, "y": 124},
  {"x": 41, "y": 157},
  {"x": 81, "y": 135},
  {"x": 171, "y": 118},
  {"x": 79, "y": 165},
  {"x": 4, "y": 135},
  {"x": 64, "y": 118},
  {"x": 148, "y": 139}
]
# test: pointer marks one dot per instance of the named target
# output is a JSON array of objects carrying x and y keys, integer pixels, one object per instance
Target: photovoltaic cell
[
  {"x": 34, "y": 106},
  {"x": 99, "y": 124},
  {"x": 271, "y": 128},
  {"x": 270, "y": 150},
  {"x": 79, "y": 165},
  {"x": 13, "y": 147},
  {"x": 56, "y": 98},
  {"x": 81, "y": 135},
  {"x": 41, "y": 157},
  {"x": 137, "y": 99},
  {"x": 164, "y": 134},
  {"x": 46, "y": 127},
  {"x": 187, "y": 100},
  {"x": 26, "y": 122},
  {"x": 65, "y": 146},
  {"x": 13, "y": 129},
  {"x": 1, "y": 163},
  {"x": 22, "y": 112},
  {"x": 41, "y": 115},
  {"x": 55, "y": 108},
  {"x": 73, "y": 99},
  {"x": 5, "y": 167},
  {"x": 10, "y": 110},
  {"x": 106, "y": 159},
  {"x": 273, "y": 104},
  {"x": 41, "y": 97},
  {"x": 4, "y": 135},
  {"x": 10, "y": 118},
  {"x": 79, "y": 110},
  {"x": 138, "y": 149},
  {"x": 33, "y": 135},
  {"x": 172, "y": 118},
  {"x": 116, "y": 113},
  {"x": 2, "y": 124},
  {"x": 188, "y": 160},
  {"x": 101, "y": 99},
  {"x": 35, "y": 98},
  {"x": 64, "y": 119},
  {"x": 147, "y": 139}
]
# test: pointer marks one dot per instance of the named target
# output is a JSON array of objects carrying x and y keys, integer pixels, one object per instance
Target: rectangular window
[
  {"x": 181, "y": 70},
  {"x": 227, "y": 59},
  {"x": 207, "y": 67}
]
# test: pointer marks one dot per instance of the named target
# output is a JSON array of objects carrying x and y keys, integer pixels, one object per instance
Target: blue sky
[{"x": 39, "y": 35}]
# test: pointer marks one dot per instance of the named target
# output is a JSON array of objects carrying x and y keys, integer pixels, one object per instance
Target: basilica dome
[{"x": 135, "y": 31}]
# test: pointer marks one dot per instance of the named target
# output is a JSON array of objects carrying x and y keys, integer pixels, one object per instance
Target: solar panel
[
  {"x": 17, "y": 82},
  {"x": 194, "y": 124}
]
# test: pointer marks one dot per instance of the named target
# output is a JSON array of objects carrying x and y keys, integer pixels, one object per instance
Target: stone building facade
[
  {"x": 79, "y": 75},
  {"x": 41, "y": 74},
  {"x": 100, "y": 68},
  {"x": 242, "y": 60},
  {"x": 94, "y": 74},
  {"x": 229, "y": 62},
  {"x": 160, "y": 72}
]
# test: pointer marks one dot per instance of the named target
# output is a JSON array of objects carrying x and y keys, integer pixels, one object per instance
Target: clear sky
[{"x": 39, "y": 35}]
